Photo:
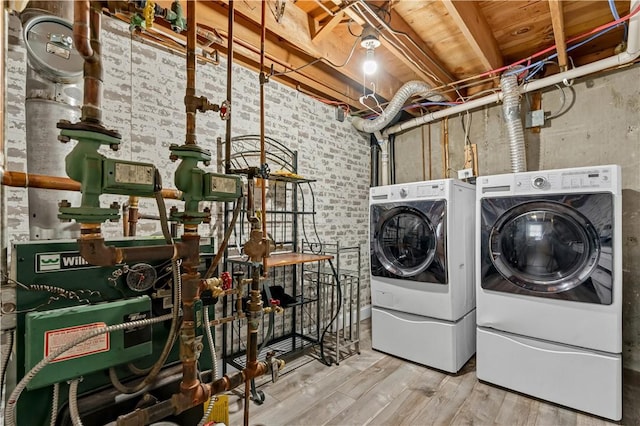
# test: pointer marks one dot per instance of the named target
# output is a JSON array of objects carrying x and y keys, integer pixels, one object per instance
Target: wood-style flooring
[{"x": 377, "y": 389}]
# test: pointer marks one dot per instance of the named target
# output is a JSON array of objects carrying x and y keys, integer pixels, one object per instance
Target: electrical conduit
[
  {"x": 511, "y": 114},
  {"x": 73, "y": 402},
  {"x": 10, "y": 409}
]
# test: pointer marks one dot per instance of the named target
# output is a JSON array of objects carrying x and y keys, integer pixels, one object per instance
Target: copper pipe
[
  {"x": 227, "y": 146},
  {"x": 189, "y": 348},
  {"x": 225, "y": 240},
  {"x": 190, "y": 94},
  {"x": 91, "y": 52},
  {"x": 93, "y": 249},
  {"x": 81, "y": 29},
  {"x": 24, "y": 180},
  {"x": 263, "y": 154},
  {"x": 133, "y": 215},
  {"x": 254, "y": 314},
  {"x": 125, "y": 220}
]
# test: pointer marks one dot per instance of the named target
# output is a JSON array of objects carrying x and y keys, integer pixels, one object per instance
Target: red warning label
[{"x": 55, "y": 339}]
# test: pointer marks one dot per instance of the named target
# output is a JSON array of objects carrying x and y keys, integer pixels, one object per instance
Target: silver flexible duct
[
  {"x": 511, "y": 114},
  {"x": 406, "y": 91}
]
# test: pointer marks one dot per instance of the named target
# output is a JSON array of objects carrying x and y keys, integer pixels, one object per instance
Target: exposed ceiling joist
[
  {"x": 293, "y": 28},
  {"x": 434, "y": 73},
  {"x": 476, "y": 30},
  {"x": 557, "y": 21},
  {"x": 314, "y": 78},
  {"x": 325, "y": 30}
]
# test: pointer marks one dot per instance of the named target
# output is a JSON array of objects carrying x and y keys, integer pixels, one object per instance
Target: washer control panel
[{"x": 551, "y": 181}]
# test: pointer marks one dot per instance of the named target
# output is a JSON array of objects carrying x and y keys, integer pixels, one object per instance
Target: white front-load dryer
[
  {"x": 421, "y": 259},
  {"x": 549, "y": 285}
]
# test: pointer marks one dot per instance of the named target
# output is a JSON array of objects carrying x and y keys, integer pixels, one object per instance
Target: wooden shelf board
[{"x": 285, "y": 259}]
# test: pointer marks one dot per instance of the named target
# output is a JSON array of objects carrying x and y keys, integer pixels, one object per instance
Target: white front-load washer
[
  {"x": 421, "y": 259},
  {"x": 549, "y": 286}
]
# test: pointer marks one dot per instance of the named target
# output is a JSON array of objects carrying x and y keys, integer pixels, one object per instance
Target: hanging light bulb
[
  {"x": 370, "y": 65},
  {"x": 369, "y": 40}
]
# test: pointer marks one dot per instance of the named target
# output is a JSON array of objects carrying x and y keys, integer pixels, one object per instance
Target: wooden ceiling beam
[
  {"x": 557, "y": 21},
  {"x": 326, "y": 29},
  {"x": 294, "y": 30},
  {"x": 476, "y": 30},
  {"x": 320, "y": 80}
]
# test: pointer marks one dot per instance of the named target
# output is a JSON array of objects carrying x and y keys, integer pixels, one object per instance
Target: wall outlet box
[
  {"x": 465, "y": 173},
  {"x": 340, "y": 114}
]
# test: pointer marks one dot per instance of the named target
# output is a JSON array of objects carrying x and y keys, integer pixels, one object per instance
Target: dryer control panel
[{"x": 562, "y": 180}]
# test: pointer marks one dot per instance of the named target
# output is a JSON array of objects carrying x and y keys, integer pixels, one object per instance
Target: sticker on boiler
[{"x": 55, "y": 339}]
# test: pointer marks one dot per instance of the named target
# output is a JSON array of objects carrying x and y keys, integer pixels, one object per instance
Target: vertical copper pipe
[
  {"x": 125, "y": 220},
  {"x": 86, "y": 38},
  {"x": 263, "y": 155},
  {"x": 190, "y": 294},
  {"x": 191, "y": 73},
  {"x": 133, "y": 215},
  {"x": 227, "y": 145},
  {"x": 81, "y": 28}
]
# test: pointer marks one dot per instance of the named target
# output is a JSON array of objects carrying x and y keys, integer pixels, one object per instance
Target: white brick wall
[{"x": 143, "y": 100}]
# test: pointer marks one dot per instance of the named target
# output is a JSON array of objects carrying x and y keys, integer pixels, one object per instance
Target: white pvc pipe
[{"x": 629, "y": 55}]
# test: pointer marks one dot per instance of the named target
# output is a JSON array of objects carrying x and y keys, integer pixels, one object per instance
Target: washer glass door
[
  {"x": 408, "y": 241},
  {"x": 544, "y": 246}
]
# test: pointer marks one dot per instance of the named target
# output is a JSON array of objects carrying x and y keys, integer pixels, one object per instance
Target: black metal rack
[{"x": 298, "y": 326}]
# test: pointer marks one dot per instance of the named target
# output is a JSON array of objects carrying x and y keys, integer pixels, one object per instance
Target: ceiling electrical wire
[
  {"x": 315, "y": 61},
  {"x": 396, "y": 46},
  {"x": 614, "y": 12},
  {"x": 490, "y": 74},
  {"x": 393, "y": 31}
]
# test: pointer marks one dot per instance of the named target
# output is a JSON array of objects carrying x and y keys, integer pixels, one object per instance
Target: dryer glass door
[
  {"x": 408, "y": 241},
  {"x": 544, "y": 246}
]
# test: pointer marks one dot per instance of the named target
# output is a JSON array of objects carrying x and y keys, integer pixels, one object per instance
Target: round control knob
[
  {"x": 403, "y": 192},
  {"x": 539, "y": 182}
]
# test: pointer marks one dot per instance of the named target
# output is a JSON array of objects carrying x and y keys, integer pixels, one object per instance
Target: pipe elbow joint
[{"x": 97, "y": 253}]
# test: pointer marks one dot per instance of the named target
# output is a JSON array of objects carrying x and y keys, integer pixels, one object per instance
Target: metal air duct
[
  {"x": 511, "y": 114},
  {"x": 53, "y": 93}
]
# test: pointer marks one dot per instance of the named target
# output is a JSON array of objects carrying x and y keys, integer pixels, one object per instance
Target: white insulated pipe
[
  {"x": 629, "y": 55},
  {"x": 511, "y": 114}
]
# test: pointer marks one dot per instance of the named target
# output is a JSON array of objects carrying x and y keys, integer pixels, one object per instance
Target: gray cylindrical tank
[{"x": 53, "y": 93}]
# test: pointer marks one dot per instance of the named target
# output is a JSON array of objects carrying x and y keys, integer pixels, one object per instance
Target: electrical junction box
[
  {"x": 465, "y": 173},
  {"x": 47, "y": 331},
  {"x": 221, "y": 187},
  {"x": 534, "y": 119},
  {"x": 128, "y": 177}
]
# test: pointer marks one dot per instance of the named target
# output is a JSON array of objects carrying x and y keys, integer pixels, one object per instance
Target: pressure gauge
[{"x": 141, "y": 277}]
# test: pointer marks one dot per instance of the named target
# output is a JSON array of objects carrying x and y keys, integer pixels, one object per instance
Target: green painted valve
[
  {"x": 99, "y": 175},
  {"x": 197, "y": 185},
  {"x": 176, "y": 17}
]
